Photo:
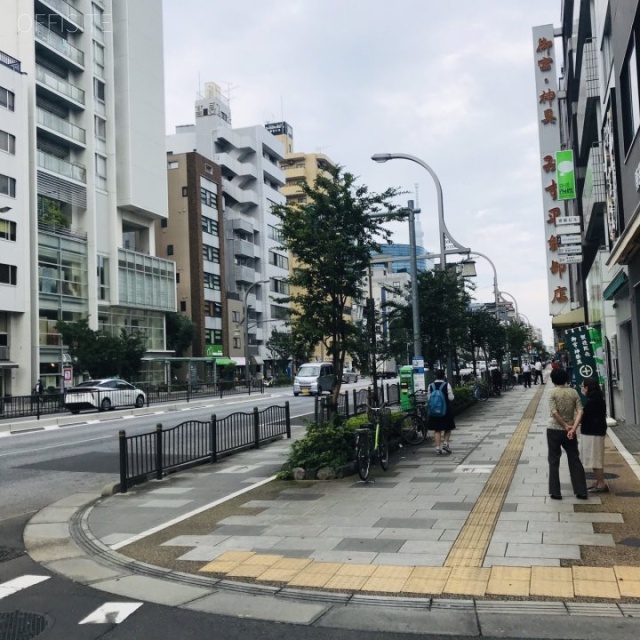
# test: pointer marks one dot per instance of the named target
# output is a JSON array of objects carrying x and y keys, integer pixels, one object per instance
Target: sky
[{"x": 451, "y": 83}]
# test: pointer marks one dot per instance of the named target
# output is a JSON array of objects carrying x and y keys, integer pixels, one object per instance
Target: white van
[{"x": 314, "y": 378}]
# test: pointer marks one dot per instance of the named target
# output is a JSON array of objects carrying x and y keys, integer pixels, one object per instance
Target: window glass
[
  {"x": 7, "y": 142},
  {"x": 7, "y": 99},
  {"x": 7, "y": 186},
  {"x": 8, "y": 274},
  {"x": 7, "y": 230}
]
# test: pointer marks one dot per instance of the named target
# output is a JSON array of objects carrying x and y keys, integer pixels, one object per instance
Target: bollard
[
  {"x": 122, "y": 438},
  {"x": 256, "y": 427},
  {"x": 159, "y": 451}
]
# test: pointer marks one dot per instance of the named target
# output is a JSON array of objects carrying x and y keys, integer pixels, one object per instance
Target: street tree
[
  {"x": 330, "y": 237},
  {"x": 180, "y": 333}
]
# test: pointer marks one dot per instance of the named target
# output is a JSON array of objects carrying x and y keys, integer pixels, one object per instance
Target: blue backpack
[{"x": 437, "y": 401}]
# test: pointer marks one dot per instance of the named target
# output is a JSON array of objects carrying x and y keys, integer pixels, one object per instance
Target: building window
[
  {"x": 185, "y": 192},
  {"x": 212, "y": 254},
  {"x": 209, "y": 226},
  {"x": 7, "y": 230},
  {"x": 274, "y": 233},
  {"x": 211, "y": 281},
  {"x": 101, "y": 172},
  {"x": 163, "y": 223},
  {"x": 177, "y": 278},
  {"x": 100, "y": 128},
  {"x": 103, "y": 277},
  {"x": 8, "y": 274},
  {"x": 169, "y": 249},
  {"x": 183, "y": 305},
  {"x": 208, "y": 168},
  {"x": 7, "y": 143},
  {"x": 7, "y": 99},
  {"x": 279, "y": 286},
  {"x": 279, "y": 313},
  {"x": 212, "y": 309},
  {"x": 172, "y": 164},
  {"x": 209, "y": 198},
  {"x": 236, "y": 343},
  {"x": 7, "y": 186},
  {"x": 98, "y": 59},
  {"x": 630, "y": 94},
  {"x": 98, "y": 90},
  {"x": 277, "y": 260},
  {"x": 213, "y": 336}
]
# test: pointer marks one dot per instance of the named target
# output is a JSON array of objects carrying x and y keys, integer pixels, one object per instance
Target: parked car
[
  {"x": 348, "y": 375},
  {"x": 104, "y": 394},
  {"x": 314, "y": 378}
]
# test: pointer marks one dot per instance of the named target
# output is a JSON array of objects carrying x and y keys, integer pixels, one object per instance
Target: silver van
[{"x": 314, "y": 378}]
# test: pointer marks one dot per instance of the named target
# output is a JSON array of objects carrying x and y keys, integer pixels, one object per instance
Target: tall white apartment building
[
  {"x": 89, "y": 175},
  {"x": 255, "y": 268}
]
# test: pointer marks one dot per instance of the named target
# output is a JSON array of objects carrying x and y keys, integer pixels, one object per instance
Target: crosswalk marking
[
  {"x": 17, "y": 584},
  {"x": 111, "y": 613}
]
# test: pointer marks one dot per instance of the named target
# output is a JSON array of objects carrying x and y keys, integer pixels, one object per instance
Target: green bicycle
[{"x": 371, "y": 443}]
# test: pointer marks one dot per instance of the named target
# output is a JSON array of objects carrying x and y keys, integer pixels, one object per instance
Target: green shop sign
[
  {"x": 584, "y": 345},
  {"x": 213, "y": 350},
  {"x": 565, "y": 175}
]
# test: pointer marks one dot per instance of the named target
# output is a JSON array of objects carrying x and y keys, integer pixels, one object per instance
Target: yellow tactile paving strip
[
  {"x": 472, "y": 543},
  {"x": 462, "y": 575}
]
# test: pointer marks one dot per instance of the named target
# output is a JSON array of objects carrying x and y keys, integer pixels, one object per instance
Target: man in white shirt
[
  {"x": 537, "y": 372},
  {"x": 526, "y": 374}
]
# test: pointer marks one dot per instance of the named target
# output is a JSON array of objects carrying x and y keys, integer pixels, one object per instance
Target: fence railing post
[
  {"x": 122, "y": 437},
  {"x": 256, "y": 427},
  {"x": 159, "y": 451},
  {"x": 346, "y": 404},
  {"x": 287, "y": 417},
  {"x": 221, "y": 389},
  {"x": 213, "y": 437}
]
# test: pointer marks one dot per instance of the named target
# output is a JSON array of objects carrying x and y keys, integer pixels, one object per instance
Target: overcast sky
[{"x": 451, "y": 82}]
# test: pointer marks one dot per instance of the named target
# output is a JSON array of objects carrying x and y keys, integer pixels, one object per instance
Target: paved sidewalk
[{"x": 471, "y": 532}]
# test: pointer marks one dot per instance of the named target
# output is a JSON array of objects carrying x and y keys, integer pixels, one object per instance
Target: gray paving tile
[
  {"x": 442, "y": 547},
  {"x": 563, "y": 551},
  {"x": 411, "y": 559},
  {"x": 239, "y": 530},
  {"x": 164, "y": 504},
  {"x": 405, "y": 523},
  {"x": 411, "y": 534},
  {"x": 453, "y": 506},
  {"x": 194, "y": 541},
  {"x": 501, "y": 561},
  {"x": 587, "y": 539},
  {"x": 309, "y": 544},
  {"x": 203, "y": 554},
  {"x": 353, "y": 557},
  {"x": 367, "y": 544}
]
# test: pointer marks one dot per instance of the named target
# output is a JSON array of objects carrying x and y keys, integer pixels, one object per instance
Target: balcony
[
  {"x": 242, "y": 169},
  {"x": 244, "y": 274},
  {"x": 62, "y": 167},
  {"x": 588, "y": 96},
  {"x": 64, "y": 51},
  {"x": 72, "y": 18},
  {"x": 60, "y": 88},
  {"x": 52, "y": 123},
  {"x": 243, "y": 248},
  {"x": 594, "y": 197}
]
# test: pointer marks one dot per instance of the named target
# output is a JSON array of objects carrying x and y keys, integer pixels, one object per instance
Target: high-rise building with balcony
[
  {"x": 254, "y": 268},
  {"x": 94, "y": 182}
]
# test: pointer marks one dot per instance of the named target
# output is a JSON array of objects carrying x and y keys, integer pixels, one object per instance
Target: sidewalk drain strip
[{"x": 472, "y": 542}]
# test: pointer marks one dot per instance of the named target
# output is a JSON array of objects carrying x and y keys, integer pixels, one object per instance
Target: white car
[
  {"x": 349, "y": 376},
  {"x": 103, "y": 395}
]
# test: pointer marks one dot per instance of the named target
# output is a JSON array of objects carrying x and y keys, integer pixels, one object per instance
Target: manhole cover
[
  {"x": 628, "y": 494},
  {"x": 21, "y": 625},
  {"x": 631, "y": 542},
  {"x": 7, "y": 553}
]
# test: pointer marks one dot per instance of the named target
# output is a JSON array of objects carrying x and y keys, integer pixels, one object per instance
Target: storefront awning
[
  {"x": 225, "y": 362},
  {"x": 256, "y": 360},
  {"x": 615, "y": 286},
  {"x": 239, "y": 360},
  {"x": 569, "y": 319}
]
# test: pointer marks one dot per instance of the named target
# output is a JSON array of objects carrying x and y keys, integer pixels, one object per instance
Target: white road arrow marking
[{"x": 111, "y": 613}]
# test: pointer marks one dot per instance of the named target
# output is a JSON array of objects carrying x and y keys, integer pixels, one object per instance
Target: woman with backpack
[{"x": 439, "y": 397}]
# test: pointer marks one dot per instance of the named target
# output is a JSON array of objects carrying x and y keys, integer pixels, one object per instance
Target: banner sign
[
  {"x": 584, "y": 345},
  {"x": 565, "y": 175}
]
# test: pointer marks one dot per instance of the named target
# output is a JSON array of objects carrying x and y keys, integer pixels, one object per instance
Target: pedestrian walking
[
  {"x": 593, "y": 429},
  {"x": 442, "y": 425},
  {"x": 526, "y": 374},
  {"x": 38, "y": 389},
  {"x": 565, "y": 408},
  {"x": 537, "y": 372}
]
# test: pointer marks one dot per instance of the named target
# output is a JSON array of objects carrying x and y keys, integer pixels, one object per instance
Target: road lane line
[{"x": 18, "y": 584}]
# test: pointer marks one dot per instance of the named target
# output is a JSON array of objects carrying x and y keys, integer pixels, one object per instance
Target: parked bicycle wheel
[
  {"x": 507, "y": 383},
  {"x": 480, "y": 393},
  {"x": 363, "y": 455},
  {"x": 411, "y": 429},
  {"x": 383, "y": 450}
]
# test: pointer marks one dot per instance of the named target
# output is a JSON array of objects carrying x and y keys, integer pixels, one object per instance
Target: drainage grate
[
  {"x": 7, "y": 553},
  {"x": 631, "y": 542},
  {"x": 21, "y": 625}
]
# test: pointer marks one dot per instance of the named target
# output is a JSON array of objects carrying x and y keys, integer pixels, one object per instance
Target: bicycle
[
  {"x": 413, "y": 427},
  {"x": 371, "y": 443},
  {"x": 507, "y": 382},
  {"x": 480, "y": 392}
]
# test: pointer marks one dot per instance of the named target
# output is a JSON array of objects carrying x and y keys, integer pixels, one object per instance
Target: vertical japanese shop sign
[
  {"x": 581, "y": 354},
  {"x": 546, "y": 61},
  {"x": 565, "y": 175}
]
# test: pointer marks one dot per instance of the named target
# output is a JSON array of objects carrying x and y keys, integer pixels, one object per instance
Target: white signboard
[
  {"x": 546, "y": 60},
  {"x": 571, "y": 238},
  {"x": 569, "y": 248},
  {"x": 569, "y": 229},
  {"x": 567, "y": 220},
  {"x": 574, "y": 259}
]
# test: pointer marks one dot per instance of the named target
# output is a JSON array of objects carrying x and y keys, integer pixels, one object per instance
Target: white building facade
[{"x": 94, "y": 184}]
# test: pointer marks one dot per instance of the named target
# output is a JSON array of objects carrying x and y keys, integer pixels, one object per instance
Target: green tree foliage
[
  {"x": 51, "y": 213},
  {"x": 518, "y": 335},
  {"x": 180, "y": 333},
  {"x": 331, "y": 237},
  {"x": 100, "y": 354},
  {"x": 485, "y": 333}
]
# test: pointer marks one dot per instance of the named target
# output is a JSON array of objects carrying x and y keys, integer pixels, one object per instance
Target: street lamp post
[
  {"x": 496, "y": 292},
  {"x": 515, "y": 302},
  {"x": 247, "y": 370},
  {"x": 443, "y": 232}
]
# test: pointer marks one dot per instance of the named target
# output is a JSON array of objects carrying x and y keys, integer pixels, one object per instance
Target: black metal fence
[
  {"x": 194, "y": 442},
  {"x": 51, "y": 403},
  {"x": 358, "y": 402}
]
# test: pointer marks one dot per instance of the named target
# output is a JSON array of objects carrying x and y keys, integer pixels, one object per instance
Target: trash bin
[{"x": 407, "y": 389}]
